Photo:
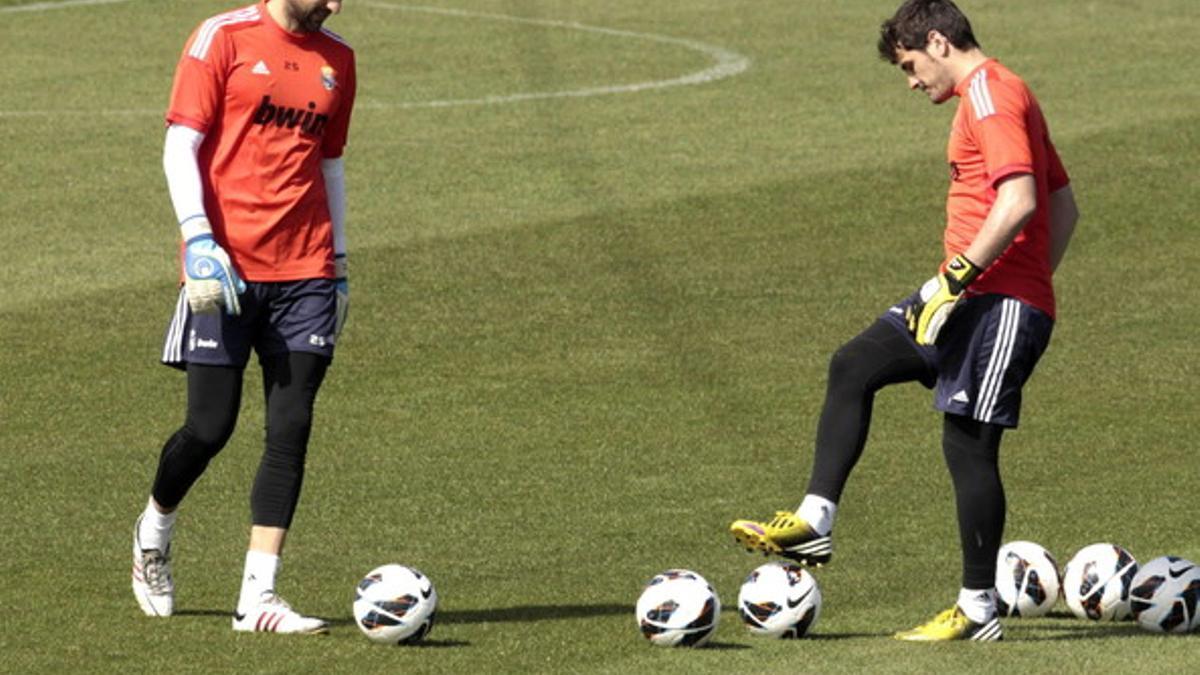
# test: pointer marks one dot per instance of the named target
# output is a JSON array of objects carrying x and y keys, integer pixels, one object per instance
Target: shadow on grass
[
  {"x": 720, "y": 646},
  {"x": 1060, "y": 625},
  {"x": 821, "y": 637},
  {"x": 1056, "y": 631},
  {"x": 203, "y": 612},
  {"x": 1059, "y": 614},
  {"x": 342, "y": 621},
  {"x": 428, "y": 643},
  {"x": 520, "y": 614},
  {"x": 530, "y": 613}
]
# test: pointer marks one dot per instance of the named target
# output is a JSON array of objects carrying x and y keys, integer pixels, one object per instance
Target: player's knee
[
  {"x": 289, "y": 427},
  {"x": 849, "y": 368},
  {"x": 973, "y": 471},
  {"x": 207, "y": 435}
]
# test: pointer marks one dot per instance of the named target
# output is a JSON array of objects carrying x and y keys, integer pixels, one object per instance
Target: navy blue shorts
[
  {"x": 984, "y": 355},
  {"x": 276, "y": 318}
]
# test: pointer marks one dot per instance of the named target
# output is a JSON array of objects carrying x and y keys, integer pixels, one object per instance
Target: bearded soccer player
[
  {"x": 973, "y": 333},
  {"x": 256, "y": 125}
]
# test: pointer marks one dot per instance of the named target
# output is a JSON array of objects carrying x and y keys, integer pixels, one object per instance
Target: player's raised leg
[{"x": 882, "y": 354}]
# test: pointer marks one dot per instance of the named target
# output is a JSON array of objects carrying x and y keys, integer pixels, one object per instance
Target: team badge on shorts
[{"x": 328, "y": 78}]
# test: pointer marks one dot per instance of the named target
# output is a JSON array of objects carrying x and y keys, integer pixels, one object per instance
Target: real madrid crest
[{"x": 328, "y": 78}]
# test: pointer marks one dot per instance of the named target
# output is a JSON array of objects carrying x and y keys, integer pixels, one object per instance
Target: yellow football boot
[
  {"x": 785, "y": 535},
  {"x": 952, "y": 624}
]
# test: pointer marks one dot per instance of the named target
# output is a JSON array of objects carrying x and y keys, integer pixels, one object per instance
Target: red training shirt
[
  {"x": 272, "y": 105},
  {"x": 999, "y": 131}
]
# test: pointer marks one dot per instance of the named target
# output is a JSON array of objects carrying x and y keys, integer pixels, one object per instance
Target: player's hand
[
  {"x": 209, "y": 277},
  {"x": 341, "y": 270},
  {"x": 938, "y": 298}
]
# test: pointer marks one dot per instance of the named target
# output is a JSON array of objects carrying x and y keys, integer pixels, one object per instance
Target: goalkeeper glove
[
  {"x": 938, "y": 298},
  {"x": 340, "y": 269},
  {"x": 209, "y": 277}
]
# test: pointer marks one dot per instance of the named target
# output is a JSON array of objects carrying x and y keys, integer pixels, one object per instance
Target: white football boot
[
  {"x": 274, "y": 615},
  {"x": 152, "y": 583}
]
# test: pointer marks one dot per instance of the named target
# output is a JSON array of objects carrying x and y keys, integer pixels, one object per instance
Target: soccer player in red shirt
[
  {"x": 973, "y": 333},
  {"x": 256, "y": 126}
]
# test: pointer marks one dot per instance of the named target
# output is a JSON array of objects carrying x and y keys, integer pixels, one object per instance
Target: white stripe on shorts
[
  {"x": 173, "y": 344},
  {"x": 1006, "y": 338}
]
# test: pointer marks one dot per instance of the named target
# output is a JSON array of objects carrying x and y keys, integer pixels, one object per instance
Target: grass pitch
[{"x": 588, "y": 330}]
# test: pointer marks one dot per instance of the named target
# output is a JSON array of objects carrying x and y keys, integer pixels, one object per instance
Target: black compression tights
[
  {"x": 972, "y": 451},
  {"x": 290, "y": 384},
  {"x": 882, "y": 355},
  {"x": 879, "y": 356}
]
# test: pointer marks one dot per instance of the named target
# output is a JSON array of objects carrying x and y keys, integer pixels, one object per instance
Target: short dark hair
[{"x": 909, "y": 27}]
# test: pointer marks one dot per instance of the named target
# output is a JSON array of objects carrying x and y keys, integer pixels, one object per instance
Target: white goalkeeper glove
[
  {"x": 209, "y": 277},
  {"x": 340, "y": 269}
]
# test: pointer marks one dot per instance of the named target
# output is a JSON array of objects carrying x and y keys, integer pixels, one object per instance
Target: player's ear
[{"x": 936, "y": 44}]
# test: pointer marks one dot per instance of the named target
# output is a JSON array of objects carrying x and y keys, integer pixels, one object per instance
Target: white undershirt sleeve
[
  {"x": 180, "y": 163},
  {"x": 334, "y": 171}
]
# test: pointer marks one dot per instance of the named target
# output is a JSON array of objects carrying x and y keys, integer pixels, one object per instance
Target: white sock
[
  {"x": 978, "y": 605},
  {"x": 155, "y": 528},
  {"x": 257, "y": 578},
  {"x": 818, "y": 512}
]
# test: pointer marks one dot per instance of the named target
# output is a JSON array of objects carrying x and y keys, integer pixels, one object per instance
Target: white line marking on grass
[
  {"x": 128, "y": 112},
  {"x": 61, "y": 4},
  {"x": 727, "y": 64}
]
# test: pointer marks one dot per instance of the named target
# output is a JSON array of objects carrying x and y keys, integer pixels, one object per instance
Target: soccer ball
[
  {"x": 1027, "y": 582},
  {"x": 678, "y": 608},
  {"x": 395, "y": 604},
  {"x": 1097, "y": 580},
  {"x": 1166, "y": 595},
  {"x": 779, "y": 600}
]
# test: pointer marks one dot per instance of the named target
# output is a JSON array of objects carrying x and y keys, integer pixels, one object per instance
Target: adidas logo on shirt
[{"x": 261, "y": 68}]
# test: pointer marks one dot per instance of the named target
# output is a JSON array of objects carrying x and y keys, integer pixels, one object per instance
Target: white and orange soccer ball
[
  {"x": 395, "y": 604},
  {"x": 1027, "y": 580},
  {"x": 779, "y": 600},
  {"x": 1097, "y": 580},
  {"x": 1165, "y": 597},
  {"x": 678, "y": 608}
]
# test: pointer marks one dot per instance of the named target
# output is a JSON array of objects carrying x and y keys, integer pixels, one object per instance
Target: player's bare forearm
[
  {"x": 1063, "y": 216},
  {"x": 1016, "y": 200}
]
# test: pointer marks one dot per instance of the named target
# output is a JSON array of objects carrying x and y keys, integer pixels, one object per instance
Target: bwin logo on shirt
[{"x": 309, "y": 121}]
